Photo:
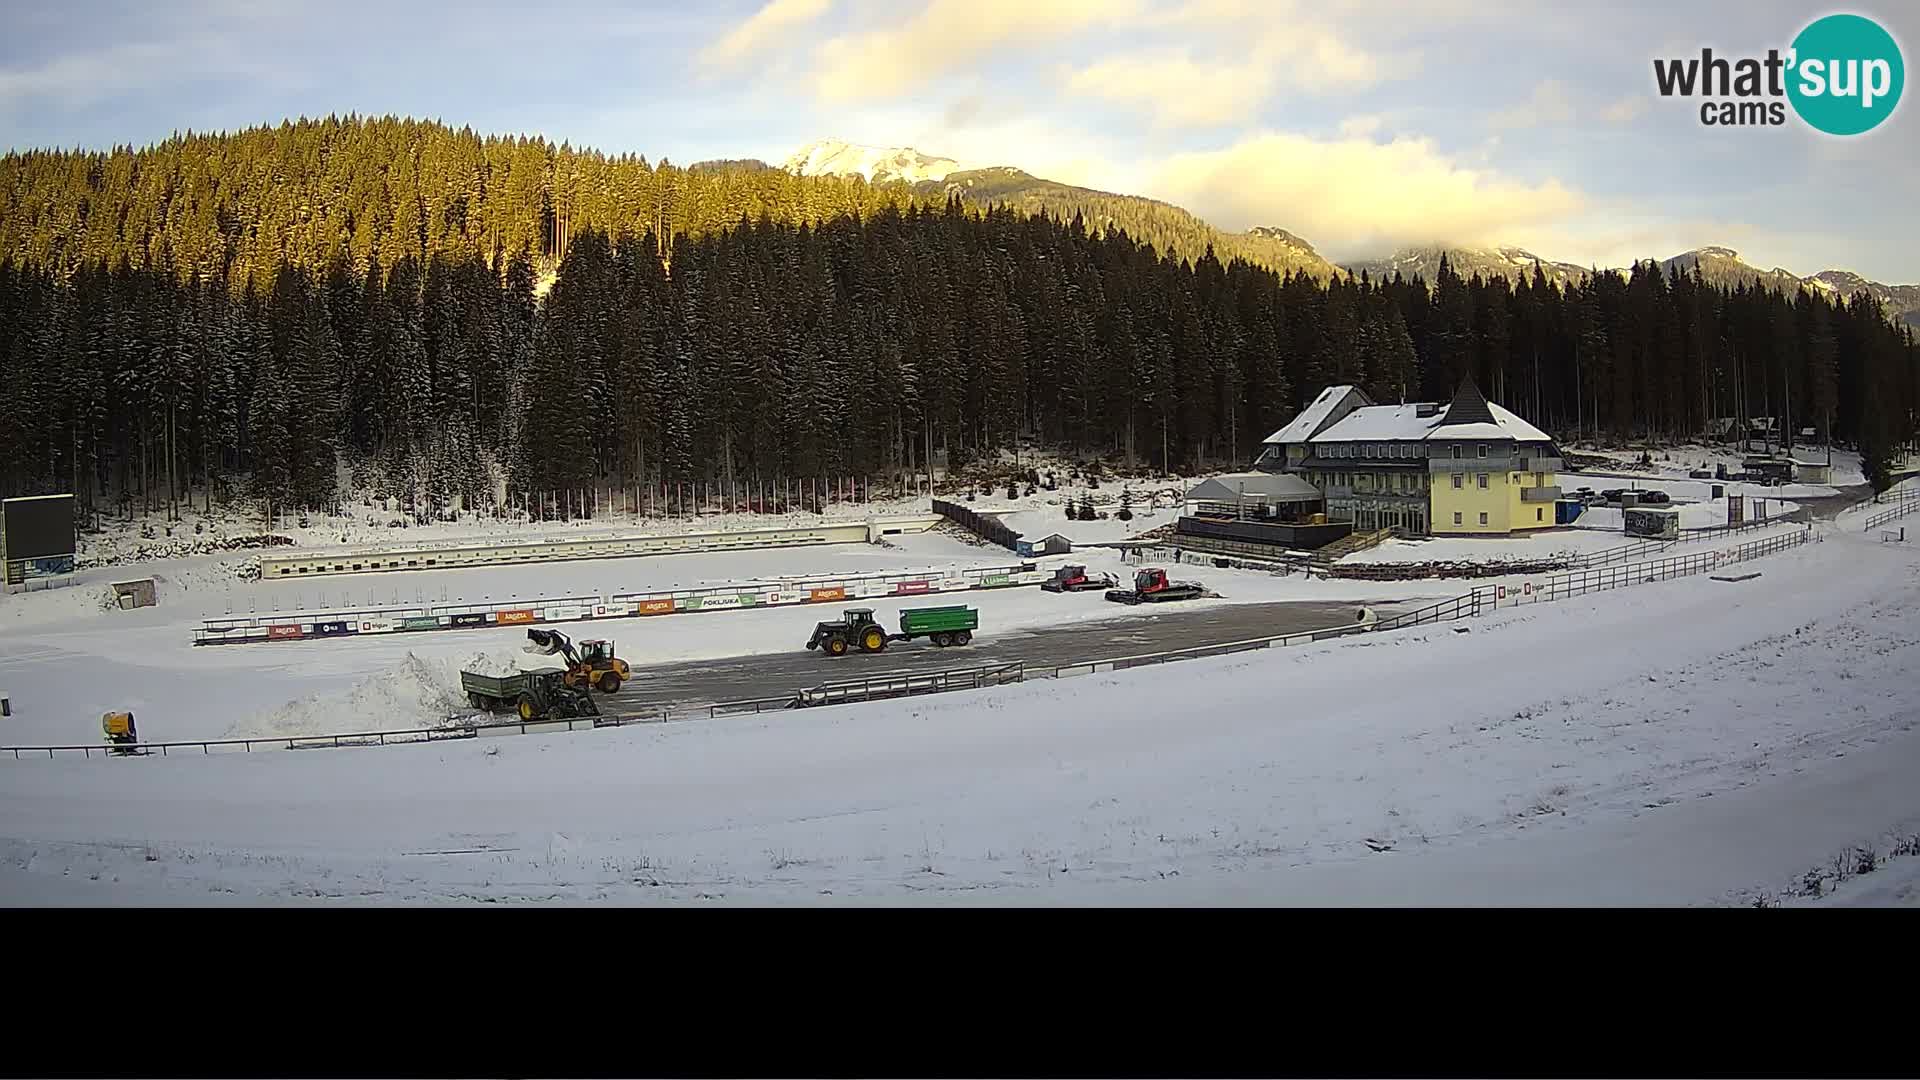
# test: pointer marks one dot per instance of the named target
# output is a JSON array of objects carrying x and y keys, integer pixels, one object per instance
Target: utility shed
[
  {"x": 1812, "y": 472},
  {"x": 1053, "y": 544},
  {"x": 134, "y": 594}
]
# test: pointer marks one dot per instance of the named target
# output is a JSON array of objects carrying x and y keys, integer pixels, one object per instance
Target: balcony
[
  {"x": 1540, "y": 494},
  {"x": 1543, "y": 464},
  {"x": 1491, "y": 463}
]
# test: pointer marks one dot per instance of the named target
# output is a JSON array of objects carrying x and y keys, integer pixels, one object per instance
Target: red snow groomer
[
  {"x": 1151, "y": 586},
  {"x": 1076, "y": 579}
]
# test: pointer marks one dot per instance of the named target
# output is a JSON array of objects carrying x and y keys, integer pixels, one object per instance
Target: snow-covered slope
[
  {"x": 834, "y": 157},
  {"x": 1694, "y": 741},
  {"x": 1508, "y": 262},
  {"x": 1903, "y": 300}
]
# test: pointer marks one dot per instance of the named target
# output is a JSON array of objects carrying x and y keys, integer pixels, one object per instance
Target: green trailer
[
  {"x": 856, "y": 629},
  {"x": 945, "y": 625}
]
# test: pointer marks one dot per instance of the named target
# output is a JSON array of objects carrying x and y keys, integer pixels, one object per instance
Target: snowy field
[
  {"x": 1685, "y": 742},
  {"x": 1676, "y": 461},
  {"x": 143, "y": 660},
  {"x": 362, "y": 526},
  {"x": 1548, "y": 544}
]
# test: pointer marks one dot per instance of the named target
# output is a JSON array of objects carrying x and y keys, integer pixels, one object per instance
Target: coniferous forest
[{"x": 247, "y": 313}]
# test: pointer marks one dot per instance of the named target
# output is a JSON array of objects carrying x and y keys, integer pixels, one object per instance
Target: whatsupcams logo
[{"x": 1842, "y": 75}]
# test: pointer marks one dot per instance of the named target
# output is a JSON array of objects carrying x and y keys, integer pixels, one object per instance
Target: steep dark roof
[{"x": 1469, "y": 406}]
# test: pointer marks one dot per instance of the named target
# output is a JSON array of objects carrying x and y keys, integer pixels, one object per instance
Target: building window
[
  {"x": 1483, "y": 517},
  {"x": 1456, "y": 480},
  {"x": 1483, "y": 449},
  {"x": 1456, "y": 517},
  {"x": 1483, "y": 480},
  {"x": 1539, "y": 514},
  {"x": 1456, "y": 451}
]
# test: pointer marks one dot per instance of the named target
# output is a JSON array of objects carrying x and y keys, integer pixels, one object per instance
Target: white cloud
[
  {"x": 762, "y": 30},
  {"x": 1357, "y": 194},
  {"x": 945, "y": 36},
  {"x": 1247, "y": 52},
  {"x": 79, "y": 79},
  {"x": 1547, "y": 106},
  {"x": 1179, "y": 91},
  {"x": 1361, "y": 127},
  {"x": 1624, "y": 111}
]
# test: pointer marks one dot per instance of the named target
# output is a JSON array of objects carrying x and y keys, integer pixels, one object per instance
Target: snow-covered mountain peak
[{"x": 836, "y": 157}]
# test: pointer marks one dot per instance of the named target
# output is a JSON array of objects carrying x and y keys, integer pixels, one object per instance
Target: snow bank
[
  {"x": 1494, "y": 549},
  {"x": 496, "y": 664},
  {"x": 415, "y": 693}
]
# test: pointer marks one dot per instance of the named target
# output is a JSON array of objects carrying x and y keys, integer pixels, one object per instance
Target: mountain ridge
[{"x": 1177, "y": 230}]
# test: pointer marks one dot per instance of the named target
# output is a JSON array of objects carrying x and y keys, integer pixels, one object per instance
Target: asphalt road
[{"x": 1144, "y": 629}]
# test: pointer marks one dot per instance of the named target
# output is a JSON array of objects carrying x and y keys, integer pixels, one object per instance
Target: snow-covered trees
[{"x": 783, "y": 349}]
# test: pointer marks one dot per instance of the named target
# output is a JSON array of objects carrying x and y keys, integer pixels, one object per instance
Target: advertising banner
[
  {"x": 656, "y": 607},
  {"x": 284, "y": 631},
  {"x": 518, "y": 615},
  {"x": 469, "y": 618},
  {"x": 837, "y": 592},
  {"x": 420, "y": 622}
]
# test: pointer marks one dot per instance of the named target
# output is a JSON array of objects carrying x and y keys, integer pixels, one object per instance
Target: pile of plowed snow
[{"x": 416, "y": 693}]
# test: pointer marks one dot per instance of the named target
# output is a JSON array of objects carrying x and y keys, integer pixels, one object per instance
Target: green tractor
[{"x": 856, "y": 629}]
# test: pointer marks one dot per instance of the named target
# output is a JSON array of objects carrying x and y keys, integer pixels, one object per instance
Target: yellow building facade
[{"x": 1466, "y": 468}]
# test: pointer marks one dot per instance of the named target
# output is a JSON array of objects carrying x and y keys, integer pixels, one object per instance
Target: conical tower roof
[{"x": 1469, "y": 405}]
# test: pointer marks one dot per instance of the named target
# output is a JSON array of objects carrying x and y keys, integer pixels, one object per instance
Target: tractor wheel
[
  {"x": 527, "y": 709},
  {"x": 609, "y": 682},
  {"x": 961, "y": 637},
  {"x": 836, "y": 646},
  {"x": 479, "y": 702},
  {"x": 874, "y": 640},
  {"x": 942, "y": 638}
]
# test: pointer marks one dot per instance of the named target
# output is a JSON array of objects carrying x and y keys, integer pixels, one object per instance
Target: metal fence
[
  {"x": 909, "y": 684},
  {"x": 1900, "y": 509},
  {"x": 1122, "y": 663},
  {"x": 1581, "y": 582},
  {"x": 1465, "y": 606},
  {"x": 283, "y": 742},
  {"x": 1905, "y": 493}
]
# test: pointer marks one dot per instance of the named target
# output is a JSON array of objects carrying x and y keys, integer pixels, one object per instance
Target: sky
[{"x": 1362, "y": 127}]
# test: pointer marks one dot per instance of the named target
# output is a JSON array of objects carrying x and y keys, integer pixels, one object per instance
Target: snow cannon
[{"x": 122, "y": 736}]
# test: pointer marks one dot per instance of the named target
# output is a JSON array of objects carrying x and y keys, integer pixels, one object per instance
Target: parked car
[{"x": 1654, "y": 498}]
